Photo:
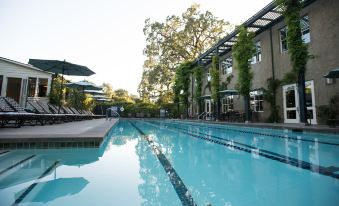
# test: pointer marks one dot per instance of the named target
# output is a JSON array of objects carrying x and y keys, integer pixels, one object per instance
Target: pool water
[{"x": 164, "y": 162}]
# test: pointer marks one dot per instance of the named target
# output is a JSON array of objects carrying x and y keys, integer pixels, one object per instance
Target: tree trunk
[
  {"x": 247, "y": 108},
  {"x": 302, "y": 98},
  {"x": 218, "y": 109}
]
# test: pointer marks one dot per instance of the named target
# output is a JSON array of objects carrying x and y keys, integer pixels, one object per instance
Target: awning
[
  {"x": 334, "y": 73},
  {"x": 229, "y": 92},
  {"x": 206, "y": 97}
]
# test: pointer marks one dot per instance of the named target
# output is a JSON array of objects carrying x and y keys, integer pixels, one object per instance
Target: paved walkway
[
  {"x": 301, "y": 127},
  {"x": 82, "y": 131}
]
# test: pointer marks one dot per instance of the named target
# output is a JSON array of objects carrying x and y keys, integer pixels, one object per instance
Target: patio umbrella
[
  {"x": 61, "y": 67},
  {"x": 53, "y": 189},
  {"x": 334, "y": 73},
  {"x": 84, "y": 86},
  {"x": 93, "y": 91}
]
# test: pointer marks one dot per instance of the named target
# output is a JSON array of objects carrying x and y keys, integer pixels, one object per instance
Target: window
[
  {"x": 256, "y": 100},
  {"x": 305, "y": 29},
  {"x": 227, "y": 103},
  {"x": 42, "y": 87},
  {"x": 1, "y": 80},
  {"x": 226, "y": 65},
  {"x": 305, "y": 33},
  {"x": 31, "y": 87},
  {"x": 283, "y": 39},
  {"x": 208, "y": 74},
  {"x": 257, "y": 55}
]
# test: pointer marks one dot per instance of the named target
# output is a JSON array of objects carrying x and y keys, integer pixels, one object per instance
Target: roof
[
  {"x": 262, "y": 20},
  {"x": 23, "y": 64}
]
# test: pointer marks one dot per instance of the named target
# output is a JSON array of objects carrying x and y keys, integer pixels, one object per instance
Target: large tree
[{"x": 178, "y": 39}]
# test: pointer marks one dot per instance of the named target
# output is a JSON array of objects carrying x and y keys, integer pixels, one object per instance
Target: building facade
[
  {"x": 23, "y": 81},
  {"x": 320, "y": 31}
]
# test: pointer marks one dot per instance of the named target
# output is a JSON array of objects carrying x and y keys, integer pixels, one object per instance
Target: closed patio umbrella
[
  {"x": 84, "y": 86},
  {"x": 61, "y": 67},
  {"x": 334, "y": 73}
]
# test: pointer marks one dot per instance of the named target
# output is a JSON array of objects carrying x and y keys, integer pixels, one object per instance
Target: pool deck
[
  {"x": 290, "y": 126},
  {"x": 88, "y": 133}
]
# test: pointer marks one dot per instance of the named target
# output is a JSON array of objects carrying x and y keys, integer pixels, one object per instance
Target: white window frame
[
  {"x": 305, "y": 32},
  {"x": 257, "y": 56},
  {"x": 227, "y": 65},
  {"x": 305, "y": 29},
  {"x": 228, "y": 103},
  {"x": 256, "y": 102},
  {"x": 208, "y": 74}
]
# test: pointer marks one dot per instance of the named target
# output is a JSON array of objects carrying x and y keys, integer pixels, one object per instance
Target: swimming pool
[{"x": 164, "y": 162}]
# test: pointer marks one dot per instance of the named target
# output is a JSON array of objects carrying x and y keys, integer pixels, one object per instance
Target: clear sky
[{"x": 104, "y": 35}]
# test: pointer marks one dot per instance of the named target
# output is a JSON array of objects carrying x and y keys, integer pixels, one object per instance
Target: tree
[
  {"x": 108, "y": 90},
  {"x": 243, "y": 51},
  {"x": 215, "y": 84},
  {"x": 297, "y": 50},
  {"x": 178, "y": 39},
  {"x": 121, "y": 95}
]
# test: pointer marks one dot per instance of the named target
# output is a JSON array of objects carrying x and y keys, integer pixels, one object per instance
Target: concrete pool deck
[
  {"x": 88, "y": 133},
  {"x": 289, "y": 126}
]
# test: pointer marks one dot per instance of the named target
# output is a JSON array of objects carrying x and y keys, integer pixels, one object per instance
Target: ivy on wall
[
  {"x": 182, "y": 84},
  {"x": 297, "y": 50},
  {"x": 243, "y": 51},
  {"x": 198, "y": 81},
  {"x": 215, "y": 80},
  {"x": 269, "y": 96}
]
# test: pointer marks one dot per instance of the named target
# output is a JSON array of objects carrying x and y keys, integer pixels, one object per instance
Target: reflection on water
[
  {"x": 50, "y": 190},
  {"x": 124, "y": 170}
]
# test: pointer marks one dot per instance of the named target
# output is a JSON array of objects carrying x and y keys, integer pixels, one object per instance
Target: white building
[{"x": 23, "y": 81}]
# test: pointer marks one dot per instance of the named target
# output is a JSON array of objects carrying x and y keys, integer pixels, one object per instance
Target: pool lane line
[
  {"x": 263, "y": 134},
  {"x": 16, "y": 164},
  {"x": 179, "y": 186},
  {"x": 303, "y": 165},
  {"x": 4, "y": 152},
  {"x": 31, "y": 187}
]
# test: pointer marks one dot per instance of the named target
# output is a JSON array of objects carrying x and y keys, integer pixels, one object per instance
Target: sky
[{"x": 104, "y": 35}]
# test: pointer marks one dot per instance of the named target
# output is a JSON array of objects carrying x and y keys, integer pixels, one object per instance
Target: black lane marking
[
  {"x": 265, "y": 134},
  {"x": 303, "y": 165},
  {"x": 252, "y": 147},
  {"x": 16, "y": 164},
  {"x": 179, "y": 186},
  {"x": 3, "y": 152},
  {"x": 31, "y": 187}
]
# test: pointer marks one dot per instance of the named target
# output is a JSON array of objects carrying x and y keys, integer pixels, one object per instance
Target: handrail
[
  {"x": 206, "y": 115},
  {"x": 118, "y": 115},
  {"x": 201, "y": 115}
]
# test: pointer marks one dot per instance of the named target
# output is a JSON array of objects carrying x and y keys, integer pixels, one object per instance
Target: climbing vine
[
  {"x": 243, "y": 50},
  {"x": 198, "y": 81},
  {"x": 269, "y": 96},
  {"x": 182, "y": 83},
  {"x": 224, "y": 85},
  {"x": 297, "y": 50},
  {"x": 215, "y": 79}
]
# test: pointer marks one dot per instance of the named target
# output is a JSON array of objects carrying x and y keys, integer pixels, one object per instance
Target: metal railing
[{"x": 201, "y": 115}]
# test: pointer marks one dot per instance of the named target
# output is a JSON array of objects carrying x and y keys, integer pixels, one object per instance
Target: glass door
[
  {"x": 14, "y": 88},
  {"x": 291, "y": 103},
  {"x": 208, "y": 105}
]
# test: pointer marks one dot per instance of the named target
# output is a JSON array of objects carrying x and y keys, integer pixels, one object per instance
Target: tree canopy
[{"x": 178, "y": 39}]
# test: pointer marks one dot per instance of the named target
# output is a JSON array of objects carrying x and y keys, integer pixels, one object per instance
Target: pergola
[{"x": 262, "y": 20}]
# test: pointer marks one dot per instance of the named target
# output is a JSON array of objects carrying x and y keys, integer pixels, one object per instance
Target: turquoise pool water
[{"x": 178, "y": 163}]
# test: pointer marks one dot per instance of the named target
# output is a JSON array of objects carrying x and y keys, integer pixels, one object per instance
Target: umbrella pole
[{"x": 62, "y": 83}]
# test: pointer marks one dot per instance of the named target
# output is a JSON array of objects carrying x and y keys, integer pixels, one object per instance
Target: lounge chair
[{"x": 13, "y": 113}]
